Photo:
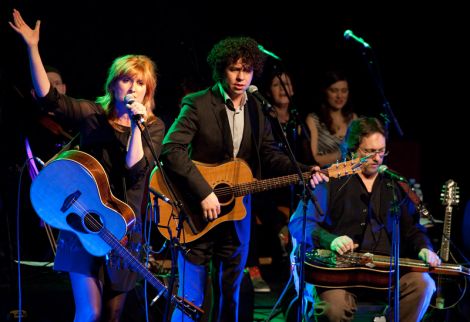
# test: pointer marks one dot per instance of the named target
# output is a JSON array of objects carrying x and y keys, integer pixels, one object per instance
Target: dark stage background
[{"x": 420, "y": 52}]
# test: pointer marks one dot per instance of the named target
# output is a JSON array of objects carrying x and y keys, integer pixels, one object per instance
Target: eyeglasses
[{"x": 381, "y": 152}]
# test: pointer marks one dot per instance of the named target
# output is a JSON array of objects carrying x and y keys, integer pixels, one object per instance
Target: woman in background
[{"x": 328, "y": 126}]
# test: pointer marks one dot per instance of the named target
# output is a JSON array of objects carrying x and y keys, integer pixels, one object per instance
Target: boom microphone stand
[
  {"x": 388, "y": 116},
  {"x": 307, "y": 194},
  {"x": 395, "y": 210},
  {"x": 299, "y": 125},
  {"x": 375, "y": 74},
  {"x": 175, "y": 203}
]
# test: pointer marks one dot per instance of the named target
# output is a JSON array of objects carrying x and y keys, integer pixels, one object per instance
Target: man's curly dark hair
[{"x": 229, "y": 50}]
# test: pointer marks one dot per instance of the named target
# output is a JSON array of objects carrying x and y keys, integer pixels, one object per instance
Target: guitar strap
[
  {"x": 410, "y": 192},
  {"x": 416, "y": 201}
]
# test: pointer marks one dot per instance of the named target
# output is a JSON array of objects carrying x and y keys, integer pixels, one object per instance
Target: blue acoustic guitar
[{"x": 72, "y": 193}]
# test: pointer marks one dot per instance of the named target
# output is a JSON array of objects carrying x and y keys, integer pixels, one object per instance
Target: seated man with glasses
[
  {"x": 380, "y": 152},
  {"x": 358, "y": 217}
]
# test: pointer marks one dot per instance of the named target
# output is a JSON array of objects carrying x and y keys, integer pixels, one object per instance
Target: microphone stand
[
  {"x": 389, "y": 115},
  {"x": 395, "y": 211},
  {"x": 293, "y": 111},
  {"x": 306, "y": 194},
  {"x": 292, "y": 105},
  {"x": 375, "y": 74},
  {"x": 176, "y": 203}
]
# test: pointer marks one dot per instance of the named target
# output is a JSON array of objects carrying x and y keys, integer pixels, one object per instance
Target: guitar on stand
[{"x": 449, "y": 290}]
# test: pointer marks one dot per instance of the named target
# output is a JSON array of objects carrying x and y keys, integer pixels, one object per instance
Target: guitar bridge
[{"x": 70, "y": 200}]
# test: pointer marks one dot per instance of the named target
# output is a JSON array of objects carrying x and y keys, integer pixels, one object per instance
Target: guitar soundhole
[
  {"x": 93, "y": 222},
  {"x": 224, "y": 193},
  {"x": 75, "y": 222}
]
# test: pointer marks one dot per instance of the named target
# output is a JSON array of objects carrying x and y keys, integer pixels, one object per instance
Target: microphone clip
[
  {"x": 161, "y": 196},
  {"x": 267, "y": 108},
  {"x": 265, "y": 105}
]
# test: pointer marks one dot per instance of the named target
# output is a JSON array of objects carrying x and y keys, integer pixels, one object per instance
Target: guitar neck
[
  {"x": 185, "y": 306},
  {"x": 267, "y": 184},
  {"x": 133, "y": 262},
  {"x": 336, "y": 170},
  {"x": 444, "y": 252}
]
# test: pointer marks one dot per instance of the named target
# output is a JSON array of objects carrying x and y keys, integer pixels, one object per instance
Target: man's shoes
[{"x": 259, "y": 284}]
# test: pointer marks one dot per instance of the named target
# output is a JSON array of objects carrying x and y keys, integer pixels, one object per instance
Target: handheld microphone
[
  {"x": 130, "y": 99},
  {"x": 390, "y": 173},
  {"x": 267, "y": 107},
  {"x": 348, "y": 34}
]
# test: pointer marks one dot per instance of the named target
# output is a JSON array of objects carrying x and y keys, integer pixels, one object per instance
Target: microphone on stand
[
  {"x": 267, "y": 107},
  {"x": 390, "y": 173},
  {"x": 130, "y": 99},
  {"x": 348, "y": 34}
]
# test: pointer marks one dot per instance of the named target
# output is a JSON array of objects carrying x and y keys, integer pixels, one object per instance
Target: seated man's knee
[
  {"x": 427, "y": 283},
  {"x": 339, "y": 305},
  {"x": 421, "y": 283}
]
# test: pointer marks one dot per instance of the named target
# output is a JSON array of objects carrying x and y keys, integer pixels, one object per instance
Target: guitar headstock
[
  {"x": 345, "y": 168},
  {"x": 450, "y": 193}
]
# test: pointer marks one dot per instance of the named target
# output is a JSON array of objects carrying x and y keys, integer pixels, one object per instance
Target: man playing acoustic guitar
[
  {"x": 358, "y": 216},
  {"x": 215, "y": 126}
]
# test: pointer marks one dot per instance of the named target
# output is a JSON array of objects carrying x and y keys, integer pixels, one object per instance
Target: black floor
[{"x": 47, "y": 297}]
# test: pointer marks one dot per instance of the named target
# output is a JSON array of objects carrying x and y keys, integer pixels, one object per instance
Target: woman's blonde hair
[{"x": 131, "y": 66}]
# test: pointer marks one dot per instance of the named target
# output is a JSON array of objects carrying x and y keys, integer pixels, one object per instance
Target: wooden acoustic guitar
[
  {"x": 72, "y": 193},
  {"x": 328, "y": 269},
  {"x": 230, "y": 181}
]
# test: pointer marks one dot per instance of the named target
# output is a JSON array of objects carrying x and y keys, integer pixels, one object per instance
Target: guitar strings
[
  {"x": 187, "y": 307},
  {"x": 257, "y": 186},
  {"x": 241, "y": 188},
  {"x": 106, "y": 235}
]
